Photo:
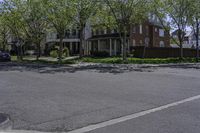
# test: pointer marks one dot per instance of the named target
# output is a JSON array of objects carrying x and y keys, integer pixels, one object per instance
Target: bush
[
  {"x": 54, "y": 53},
  {"x": 66, "y": 52},
  {"x": 100, "y": 54}
]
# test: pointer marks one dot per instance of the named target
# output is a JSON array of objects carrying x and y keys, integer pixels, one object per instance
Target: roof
[{"x": 188, "y": 33}]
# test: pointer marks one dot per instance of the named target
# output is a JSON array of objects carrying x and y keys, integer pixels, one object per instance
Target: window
[
  {"x": 97, "y": 32},
  {"x": 162, "y": 44},
  {"x": 156, "y": 29},
  {"x": 109, "y": 31},
  {"x": 161, "y": 33},
  {"x": 73, "y": 32},
  {"x": 133, "y": 42},
  {"x": 105, "y": 31},
  {"x": 146, "y": 41},
  {"x": 93, "y": 32},
  {"x": 140, "y": 29},
  {"x": 102, "y": 32},
  {"x": 134, "y": 29},
  {"x": 140, "y": 41}
]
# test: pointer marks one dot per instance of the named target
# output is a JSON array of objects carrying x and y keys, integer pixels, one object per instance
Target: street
[{"x": 55, "y": 99}]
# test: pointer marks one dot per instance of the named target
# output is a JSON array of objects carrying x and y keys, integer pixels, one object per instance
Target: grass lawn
[
  {"x": 118, "y": 60},
  {"x": 13, "y": 58},
  {"x": 109, "y": 60}
]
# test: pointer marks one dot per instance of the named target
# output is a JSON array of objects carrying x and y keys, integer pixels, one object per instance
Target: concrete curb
[{"x": 6, "y": 124}]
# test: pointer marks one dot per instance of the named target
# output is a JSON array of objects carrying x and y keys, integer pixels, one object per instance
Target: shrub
[
  {"x": 100, "y": 54},
  {"x": 54, "y": 53},
  {"x": 66, "y": 52}
]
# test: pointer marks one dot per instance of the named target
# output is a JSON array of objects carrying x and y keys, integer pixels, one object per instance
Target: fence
[{"x": 162, "y": 52}]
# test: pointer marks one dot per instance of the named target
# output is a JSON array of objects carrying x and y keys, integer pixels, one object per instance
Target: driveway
[{"x": 64, "y": 98}]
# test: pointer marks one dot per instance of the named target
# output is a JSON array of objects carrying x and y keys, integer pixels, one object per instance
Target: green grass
[
  {"x": 14, "y": 58},
  {"x": 117, "y": 60},
  {"x": 110, "y": 60}
]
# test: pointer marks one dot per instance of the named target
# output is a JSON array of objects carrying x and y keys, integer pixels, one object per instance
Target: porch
[{"x": 110, "y": 45}]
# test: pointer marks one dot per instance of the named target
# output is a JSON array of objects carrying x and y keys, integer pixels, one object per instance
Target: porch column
[
  {"x": 77, "y": 33},
  {"x": 89, "y": 46},
  {"x": 110, "y": 47},
  {"x": 87, "y": 43},
  {"x": 70, "y": 47},
  {"x": 77, "y": 47},
  {"x": 115, "y": 47}
]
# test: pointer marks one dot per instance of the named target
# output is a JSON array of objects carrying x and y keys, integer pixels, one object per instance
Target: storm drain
[{"x": 5, "y": 122}]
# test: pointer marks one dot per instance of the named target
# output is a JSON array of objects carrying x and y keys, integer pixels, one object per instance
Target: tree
[
  {"x": 3, "y": 33},
  {"x": 122, "y": 14},
  {"x": 58, "y": 15},
  {"x": 33, "y": 16},
  {"x": 13, "y": 20},
  {"x": 177, "y": 12},
  {"x": 194, "y": 21},
  {"x": 84, "y": 10}
]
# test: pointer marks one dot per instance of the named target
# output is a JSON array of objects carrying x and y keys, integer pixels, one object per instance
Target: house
[
  {"x": 71, "y": 39},
  {"x": 189, "y": 39},
  {"x": 149, "y": 34},
  {"x": 192, "y": 39}
]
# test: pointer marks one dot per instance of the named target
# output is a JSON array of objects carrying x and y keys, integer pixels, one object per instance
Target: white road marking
[
  {"x": 117, "y": 120},
  {"x": 132, "y": 116}
]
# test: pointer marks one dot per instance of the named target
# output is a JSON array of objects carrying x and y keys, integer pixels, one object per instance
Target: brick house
[{"x": 149, "y": 34}]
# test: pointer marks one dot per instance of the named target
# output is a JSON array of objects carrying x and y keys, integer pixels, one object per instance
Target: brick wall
[{"x": 150, "y": 32}]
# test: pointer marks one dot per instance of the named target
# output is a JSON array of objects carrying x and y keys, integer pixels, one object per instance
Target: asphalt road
[
  {"x": 184, "y": 118},
  {"x": 66, "y": 98}
]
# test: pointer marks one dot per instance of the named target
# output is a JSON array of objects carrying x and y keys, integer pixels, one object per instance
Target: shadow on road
[
  {"x": 52, "y": 69},
  {"x": 100, "y": 68}
]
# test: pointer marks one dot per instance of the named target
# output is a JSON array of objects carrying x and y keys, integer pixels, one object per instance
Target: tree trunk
[
  {"x": 60, "y": 50},
  {"x": 38, "y": 51},
  {"x": 181, "y": 50},
  {"x": 181, "y": 44},
  {"x": 21, "y": 52},
  {"x": 4, "y": 46},
  {"x": 124, "y": 51},
  {"x": 144, "y": 52},
  {"x": 197, "y": 42},
  {"x": 81, "y": 44},
  {"x": 18, "y": 53}
]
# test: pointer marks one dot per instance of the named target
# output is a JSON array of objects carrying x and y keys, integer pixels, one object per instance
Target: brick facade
[{"x": 148, "y": 35}]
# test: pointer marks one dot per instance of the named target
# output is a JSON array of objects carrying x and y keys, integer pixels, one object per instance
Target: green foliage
[
  {"x": 54, "y": 53},
  {"x": 86, "y": 11},
  {"x": 117, "y": 60},
  {"x": 66, "y": 52},
  {"x": 3, "y": 33},
  {"x": 59, "y": 16}
]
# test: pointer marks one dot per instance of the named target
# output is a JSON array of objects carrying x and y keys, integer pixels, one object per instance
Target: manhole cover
[
  {"x": 5, "y": 122},
  {"x": 3, "y": 117}
]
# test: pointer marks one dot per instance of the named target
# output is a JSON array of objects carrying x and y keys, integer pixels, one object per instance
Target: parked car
[{"x": 4, "y": 56}]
